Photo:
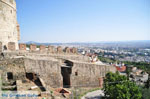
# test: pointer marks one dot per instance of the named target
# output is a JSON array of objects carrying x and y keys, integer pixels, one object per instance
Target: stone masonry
[
  {"x": 59, "y": 49},
  {"x": 54, "y": 69},
  {"x": 33, "y": 47},
  {"x": 51, "y": 49},
  {"x": 82, "y": 74},
  {"x": 9, "y": 28},
  {"x": 67, "y": 50},
  {"x": 22, "y": 46},
  {"x": 42, "y": 48},
  {"x": 11, "y": 46},
  {"x": 74, "y": 50}
]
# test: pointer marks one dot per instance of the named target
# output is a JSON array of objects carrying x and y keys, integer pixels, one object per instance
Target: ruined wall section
[
  {"x": 48, "y": 70},
  {"x": 86, "y": 74},
  {"x": 9, "y": 28},
  {"x": 15, "y": 66}
]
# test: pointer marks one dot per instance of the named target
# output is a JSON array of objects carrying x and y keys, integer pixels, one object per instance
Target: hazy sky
[{"x": 83, "y": 20}]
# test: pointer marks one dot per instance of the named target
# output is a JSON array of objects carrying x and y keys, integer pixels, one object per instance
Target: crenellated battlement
[
  {"x": 46, "y": 49},
  {"x": 33, "y": 48}
]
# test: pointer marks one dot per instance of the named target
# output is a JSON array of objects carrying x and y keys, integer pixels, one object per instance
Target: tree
[
  {"x": 145, "y": 93},
  {"x": 119, "y": 87},
  {"x": 146, "y": 90},
  {"x": 147, "y": 84},
  {"x": 128, "y": 71}
]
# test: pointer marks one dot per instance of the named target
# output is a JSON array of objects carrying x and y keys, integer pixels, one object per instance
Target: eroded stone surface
[
  {"x": 33, "y": 47},
  {"x": 42, "y": 48},
  {"x": 67, "y": 50},
  {"x": 9, "y": 28},
  {"x": 51, "y": 49},
  {"x": 56, "y": 70},
  {"x": 22, "y": 46},
  {"x": 11, "y": 46},
  {"x": 59, "y": 49},
  {"x": 74, "y": 50}
]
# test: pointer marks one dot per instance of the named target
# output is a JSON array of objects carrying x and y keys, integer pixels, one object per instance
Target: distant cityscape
[{"x": 134, "y": 51}]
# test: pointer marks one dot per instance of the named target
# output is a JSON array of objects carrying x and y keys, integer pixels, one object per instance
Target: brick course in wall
[
  {"x": 59, "y": 49},
  {"x": 67, "y": 50},
  {"x": 33, "y": 47},
  {"x": 51, "y": 49},
  {"x": 22, "y": 46},
  {"x": 42, "y": 48},
  {"x": 74, "y": 50}
]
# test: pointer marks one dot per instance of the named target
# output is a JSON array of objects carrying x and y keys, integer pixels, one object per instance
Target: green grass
[{"x": 106, "y": 60}]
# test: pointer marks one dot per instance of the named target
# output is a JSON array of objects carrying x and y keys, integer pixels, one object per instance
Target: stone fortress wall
[
  {"x": 81, "y": 74},
  {"x": 15, "y": 66},
  {"x": 55, "y": 67},
  {"x": 58, "y": 68},
  {"x": 9, "y": 28},
  {"x": 88, "y": 74},
  {"x": 48, "y": 69},
  {"x": 49, "y": 51}
]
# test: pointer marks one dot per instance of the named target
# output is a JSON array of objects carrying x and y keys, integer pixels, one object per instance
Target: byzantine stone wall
[
  {"x": 14, "y": 66},
  {"x": 42, "y": 48},
  {"x": 83, "y": 74},
  {"x": 48, "y": 70},
  {"x": 86, "y": 74},
  {"x": 9, "y": 28}
]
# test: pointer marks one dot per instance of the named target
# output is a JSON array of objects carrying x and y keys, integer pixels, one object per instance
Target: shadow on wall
[
  {"x": 34, "y": 78},
  {"x": 66, "y": 70}
]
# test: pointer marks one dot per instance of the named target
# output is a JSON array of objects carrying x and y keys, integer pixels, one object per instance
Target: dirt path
[{"x": 94, "y": 95}]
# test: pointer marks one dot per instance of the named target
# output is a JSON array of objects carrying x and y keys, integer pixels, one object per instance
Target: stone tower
[{"x": 9, "y": 28}]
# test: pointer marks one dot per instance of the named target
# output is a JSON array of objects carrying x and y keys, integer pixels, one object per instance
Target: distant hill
[
  {"x": 135, "y": 44},
  {"x": 37, "y": 43}
]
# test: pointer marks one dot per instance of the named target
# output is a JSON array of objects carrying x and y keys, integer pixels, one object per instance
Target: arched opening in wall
[
  {"x": 10, "y": 76},
  {"x": 66, "y": 70},
  {"x": 34, "y": 78},
  {"x": 76, "y": 73},
  {"x": 5, "y": 47},
  {"x": 68, "y": 63},
  {"x": 31, "y": 76}
]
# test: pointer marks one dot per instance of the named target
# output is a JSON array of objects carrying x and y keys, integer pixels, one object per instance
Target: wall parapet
[{"x": 48, "y": 49}]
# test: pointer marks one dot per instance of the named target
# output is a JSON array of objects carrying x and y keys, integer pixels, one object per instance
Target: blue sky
[{"x": 83, "y": 20}]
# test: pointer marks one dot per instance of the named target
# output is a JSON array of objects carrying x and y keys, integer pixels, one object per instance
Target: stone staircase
[{"x": 9, "y": 86}]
